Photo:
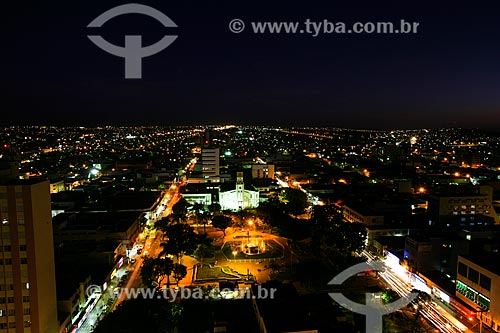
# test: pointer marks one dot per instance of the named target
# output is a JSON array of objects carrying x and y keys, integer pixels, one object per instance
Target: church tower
[{"x": 240, "y": 186}]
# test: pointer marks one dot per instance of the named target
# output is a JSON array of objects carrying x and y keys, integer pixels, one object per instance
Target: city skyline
[
  {"x": 234, "y": 214},
  {"x": 250, "y": 167}
]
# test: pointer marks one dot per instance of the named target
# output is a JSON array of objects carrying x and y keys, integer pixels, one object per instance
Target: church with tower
[{"x": 238, "y": 197}]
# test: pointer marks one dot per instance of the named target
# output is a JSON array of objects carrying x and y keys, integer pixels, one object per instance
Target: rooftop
[
  {"x": 116, "y": 221},
  {"x": 487, "y": 260},
  {"x": 75, "y": 270},
  {"x": 134, "y": 200},
  {"x": 285, "y": 312},
  {"x": 30, "y": 181}
]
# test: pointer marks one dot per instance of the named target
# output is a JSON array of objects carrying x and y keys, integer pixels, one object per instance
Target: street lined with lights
[{"x": 397, "y": 281}]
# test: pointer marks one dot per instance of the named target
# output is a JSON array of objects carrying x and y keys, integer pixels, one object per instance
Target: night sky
[{"x": 447, "y": 75}]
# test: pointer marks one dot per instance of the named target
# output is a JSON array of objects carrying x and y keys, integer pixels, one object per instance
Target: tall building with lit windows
[
  {"x": 210, "y": 164},
  {"x": 27, "y": 274}
]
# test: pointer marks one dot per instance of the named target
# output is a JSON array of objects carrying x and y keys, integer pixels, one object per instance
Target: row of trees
[
  {"x": 155, "y": 270},
  {"x": 326, "y": 228},
  {"x": 179, "y": 239},
  {"x": 330, "y": 232},
  {"x": 180, "y": 210}
]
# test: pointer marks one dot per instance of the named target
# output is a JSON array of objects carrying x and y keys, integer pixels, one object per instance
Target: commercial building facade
[
  {"x": 467, "y": 209},
  {"x": 263, "y": 171},
  {"x": 356, "y": 215},
  {"x": 479, "y": 287}
]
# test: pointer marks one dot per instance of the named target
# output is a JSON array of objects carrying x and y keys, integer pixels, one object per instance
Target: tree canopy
[
  {"x": 155, "y": 270},
  {"x": 179, "y": 271},
  {"x": 181, "y": 239},
  {"x": 222, "y": 222},
  {"x": 296, "y": 201},
  {"x": 180, "y": 207},
  {"x": 331, "y": 233}
]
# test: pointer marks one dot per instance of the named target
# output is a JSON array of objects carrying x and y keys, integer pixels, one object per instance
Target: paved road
[
  {"x": 99, "y": 309},
  {"x": 134, "y": 281},
  {"x": 438, "y": 317}
]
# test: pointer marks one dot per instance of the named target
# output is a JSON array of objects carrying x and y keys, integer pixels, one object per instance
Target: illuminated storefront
[{"x": 473, "y": 295}]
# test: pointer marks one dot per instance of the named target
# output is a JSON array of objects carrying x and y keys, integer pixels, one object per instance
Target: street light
[
  {"x": 479, "y": 310},
  {"x": 234, "y": 254}
]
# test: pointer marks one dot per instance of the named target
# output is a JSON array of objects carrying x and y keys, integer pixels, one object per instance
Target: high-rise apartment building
[
  {"x": 210, "y": 164},
  {"x": 210, "y": 155},
  {"x": 27, "y": 274}
]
